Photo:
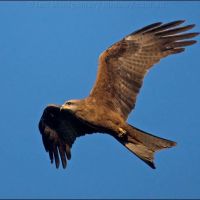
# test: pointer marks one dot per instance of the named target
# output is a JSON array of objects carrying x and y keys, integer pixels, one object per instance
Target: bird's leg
[{"x": 122, "y": 133}]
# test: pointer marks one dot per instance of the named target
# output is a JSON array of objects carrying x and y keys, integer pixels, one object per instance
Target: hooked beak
[{"x": 62, "y": 107}]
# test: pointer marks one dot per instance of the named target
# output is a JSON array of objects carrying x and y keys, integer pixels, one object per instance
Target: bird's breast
[{"x": 100, "y": 116}]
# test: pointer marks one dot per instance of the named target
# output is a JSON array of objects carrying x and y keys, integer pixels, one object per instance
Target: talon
[{"x": 122, "y": 132}]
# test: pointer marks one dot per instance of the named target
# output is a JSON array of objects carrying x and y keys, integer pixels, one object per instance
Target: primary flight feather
[{"x": 121, "y": 71}]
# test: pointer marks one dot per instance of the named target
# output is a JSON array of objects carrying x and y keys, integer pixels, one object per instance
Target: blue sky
[{"x": 48, "y": 54}]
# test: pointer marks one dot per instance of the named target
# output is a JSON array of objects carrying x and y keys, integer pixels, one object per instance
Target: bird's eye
[{"x": 68, "y": 103}]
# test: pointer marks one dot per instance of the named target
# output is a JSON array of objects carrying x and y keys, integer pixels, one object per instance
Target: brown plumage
[{"x": 122, "y": 68}]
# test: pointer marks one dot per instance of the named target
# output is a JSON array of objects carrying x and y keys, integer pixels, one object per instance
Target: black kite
[{"x": 121, "y": 71}]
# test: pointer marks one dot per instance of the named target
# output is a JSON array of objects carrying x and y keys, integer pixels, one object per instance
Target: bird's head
[{"x": 71, "y": 105}]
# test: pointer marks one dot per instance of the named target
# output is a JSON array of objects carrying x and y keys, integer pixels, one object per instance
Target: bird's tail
[{"x": 144, "y": 145}]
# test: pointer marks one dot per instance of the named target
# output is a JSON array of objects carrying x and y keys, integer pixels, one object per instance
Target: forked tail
[{"x": 144, "y": 145}]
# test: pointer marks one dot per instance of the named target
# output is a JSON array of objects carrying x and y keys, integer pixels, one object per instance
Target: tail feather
[
  {"x": 142, "y": 152},
  {"x": 144, "y": 145}
]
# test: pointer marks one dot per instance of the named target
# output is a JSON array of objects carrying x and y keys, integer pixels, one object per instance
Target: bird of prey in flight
[{"x": 121, "y": 71}]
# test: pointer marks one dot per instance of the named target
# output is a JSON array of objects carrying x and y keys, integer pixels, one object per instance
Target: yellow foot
[{"x": 121, "y": 132}]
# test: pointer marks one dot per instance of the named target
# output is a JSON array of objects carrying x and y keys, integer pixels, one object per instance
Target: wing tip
[
  {"x": 178, "y": 50},
  {"x": 180, "y": 21},
  {"x": 57, "y": 165},
  {"x": 146, "y": 28},
  {"x": 191, "y": 25},
  {"x": 65, "y": 166},
  {"x": 194, "y": 34},
  {"x": 191, "y": 42}
]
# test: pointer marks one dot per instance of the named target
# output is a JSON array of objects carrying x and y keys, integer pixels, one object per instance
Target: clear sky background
[{"x": 48, "y": 54}]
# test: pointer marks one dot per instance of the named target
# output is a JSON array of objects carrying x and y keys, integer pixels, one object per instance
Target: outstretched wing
[
  {"x": 59, "y": 131},
  {"x": 122, "y": 67}
]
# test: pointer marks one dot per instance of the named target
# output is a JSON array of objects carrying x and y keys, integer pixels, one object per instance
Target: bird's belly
[{"x": 105, "y": 119}]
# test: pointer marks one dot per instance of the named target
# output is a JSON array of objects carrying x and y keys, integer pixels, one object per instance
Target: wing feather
[
  {"x": 59, "y": 131},
  {"x": 123, "y": 66}
]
